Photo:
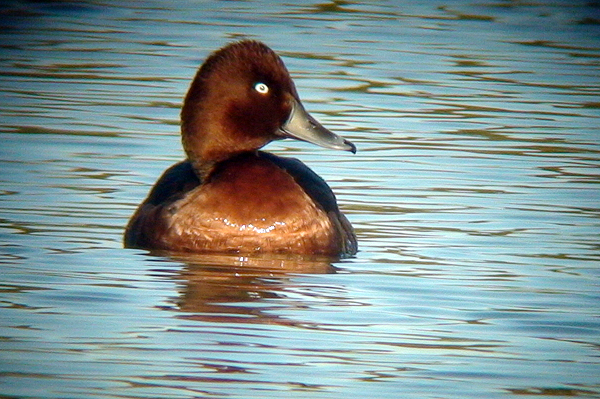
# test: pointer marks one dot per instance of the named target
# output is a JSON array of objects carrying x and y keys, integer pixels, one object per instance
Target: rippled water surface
[{"x": 474, "y": 194}]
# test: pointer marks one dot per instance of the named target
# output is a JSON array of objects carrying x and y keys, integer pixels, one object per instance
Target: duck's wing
[{"x": 146, "y": 223}]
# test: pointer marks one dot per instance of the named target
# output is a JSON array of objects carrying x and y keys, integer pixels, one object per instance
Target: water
[{"x": 474, "y": 195}]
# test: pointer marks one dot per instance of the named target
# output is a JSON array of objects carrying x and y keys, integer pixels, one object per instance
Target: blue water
[{"x": 474, "y": 194}]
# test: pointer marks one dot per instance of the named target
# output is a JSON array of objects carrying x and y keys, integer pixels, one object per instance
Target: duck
[{"x": 229, "y": 196}]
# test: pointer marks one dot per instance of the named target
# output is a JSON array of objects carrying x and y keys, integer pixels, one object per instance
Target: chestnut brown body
[{"x": 228, "y": 196}]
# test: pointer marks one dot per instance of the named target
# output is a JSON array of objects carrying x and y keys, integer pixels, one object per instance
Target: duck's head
[{"x": 241, "y": 99}]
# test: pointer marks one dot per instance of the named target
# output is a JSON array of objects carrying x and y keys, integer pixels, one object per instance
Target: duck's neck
[{"x": 204, "y": 169}]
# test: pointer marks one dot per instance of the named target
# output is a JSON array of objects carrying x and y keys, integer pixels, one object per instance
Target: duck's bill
[{"x": 300, "y": 125}]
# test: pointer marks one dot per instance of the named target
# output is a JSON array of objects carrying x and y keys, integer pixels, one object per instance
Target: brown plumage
[{"x": 228, "y": 196}]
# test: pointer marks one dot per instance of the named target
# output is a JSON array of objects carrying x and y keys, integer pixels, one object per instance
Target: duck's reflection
[{"x": 222, "y": 288}]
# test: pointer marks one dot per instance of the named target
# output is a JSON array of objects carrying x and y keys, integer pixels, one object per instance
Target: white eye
[{"x": 261, "y": 88}]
